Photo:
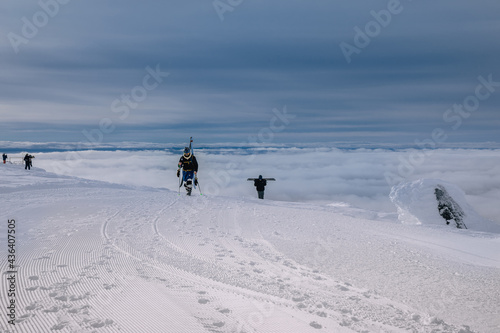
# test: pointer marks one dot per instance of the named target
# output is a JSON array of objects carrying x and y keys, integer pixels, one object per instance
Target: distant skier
[
  {"x": 260, "y": 185},
  {"x": 27, "y": 161},
  {"x": 4, "y": 156},
  {"x": 189, "y": 167}
]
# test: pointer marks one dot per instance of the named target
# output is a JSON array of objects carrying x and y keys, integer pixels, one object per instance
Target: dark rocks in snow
[
  {"x": 416, "y": 202},
  {"x": 448, "y": 208}
]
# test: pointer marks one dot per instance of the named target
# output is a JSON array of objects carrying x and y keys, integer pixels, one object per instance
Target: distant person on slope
[
  {"x": 189, "y": 167},
  {"x": 4, "y": 156},
  {"x": 27, "y": 161},
  {"x": 260, "y": 185}
]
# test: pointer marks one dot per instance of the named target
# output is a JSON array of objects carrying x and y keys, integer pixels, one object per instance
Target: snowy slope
[{"x": 99, "y": 257}]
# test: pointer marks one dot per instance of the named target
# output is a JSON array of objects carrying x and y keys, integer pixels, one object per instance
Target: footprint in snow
[
  {"x": 203, "y": 301},
  {"x": 315, "y": 325},
  {"x": 32, "y": 306},
  {"x": 82, "y": 309},
  {"x": 24, "y": 317},
  {"x": 60, "y": 326},
  {"x": 62, "y": 298},
  {"x": 52, "y": 309},
  {"x": 321, "y": 314},
  {"x": 101, "y": 323},
  {"x": 298, "y": 299},
  {"x": 342, "y": 288},
  {"x": 74, "y": 298}
]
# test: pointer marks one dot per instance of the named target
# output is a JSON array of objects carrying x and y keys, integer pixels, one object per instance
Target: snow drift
[{"x": 436, "y": 202}]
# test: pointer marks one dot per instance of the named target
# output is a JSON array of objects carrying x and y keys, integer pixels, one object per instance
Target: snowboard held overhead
[{"x": 260, "y": 184}]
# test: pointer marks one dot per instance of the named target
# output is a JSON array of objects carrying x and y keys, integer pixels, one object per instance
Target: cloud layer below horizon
[{"x": 323, "y": 175}]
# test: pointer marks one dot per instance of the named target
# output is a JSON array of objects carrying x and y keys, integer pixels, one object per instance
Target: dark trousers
[
  {"x": 261, "y": 194},
  {"x": 187, "y": 175},
  {"x": 27, "y": 166}
]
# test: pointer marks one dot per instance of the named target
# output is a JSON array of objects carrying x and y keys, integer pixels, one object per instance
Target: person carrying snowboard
[
  {"x": 260, "y": 185},
  {"x": 189, "y": 167}
]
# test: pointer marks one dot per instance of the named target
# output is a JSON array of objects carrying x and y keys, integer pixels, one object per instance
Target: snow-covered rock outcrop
[{"x": 434, "y": 201}]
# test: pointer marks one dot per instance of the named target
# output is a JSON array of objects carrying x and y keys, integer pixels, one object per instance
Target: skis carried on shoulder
[
  {"x": 196, "y": 182},
  {"x": 271, "y": 179},
  {"x": 191, "y": 152},
  {"x": 191, "y": 183}
]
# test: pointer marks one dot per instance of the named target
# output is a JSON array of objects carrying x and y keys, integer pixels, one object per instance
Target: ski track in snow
[{"x": 95, "y": 257}]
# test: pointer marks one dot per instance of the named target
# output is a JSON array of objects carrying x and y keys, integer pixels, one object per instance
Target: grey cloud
[{"x": 263, "y": 55}]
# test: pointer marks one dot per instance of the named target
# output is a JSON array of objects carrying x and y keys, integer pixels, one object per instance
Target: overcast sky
[{"x": 360, "y": 71}]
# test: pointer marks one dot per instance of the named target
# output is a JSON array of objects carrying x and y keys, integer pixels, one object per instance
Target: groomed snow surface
[{"x": 100, "y": 257}]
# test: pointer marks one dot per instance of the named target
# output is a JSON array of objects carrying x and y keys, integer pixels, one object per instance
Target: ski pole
[
  {"x": 180, "y": 183},
  {"x": 199, "y": 187}
]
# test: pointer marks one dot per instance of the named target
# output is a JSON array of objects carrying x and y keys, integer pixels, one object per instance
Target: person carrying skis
[
  {"x": 260, "y": 185},
  {"x": 189, "y": 167},
  {"x": 27, "y": 161}
]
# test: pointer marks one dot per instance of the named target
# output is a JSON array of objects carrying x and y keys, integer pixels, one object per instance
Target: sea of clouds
[{"x": 359, "y": 177}]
